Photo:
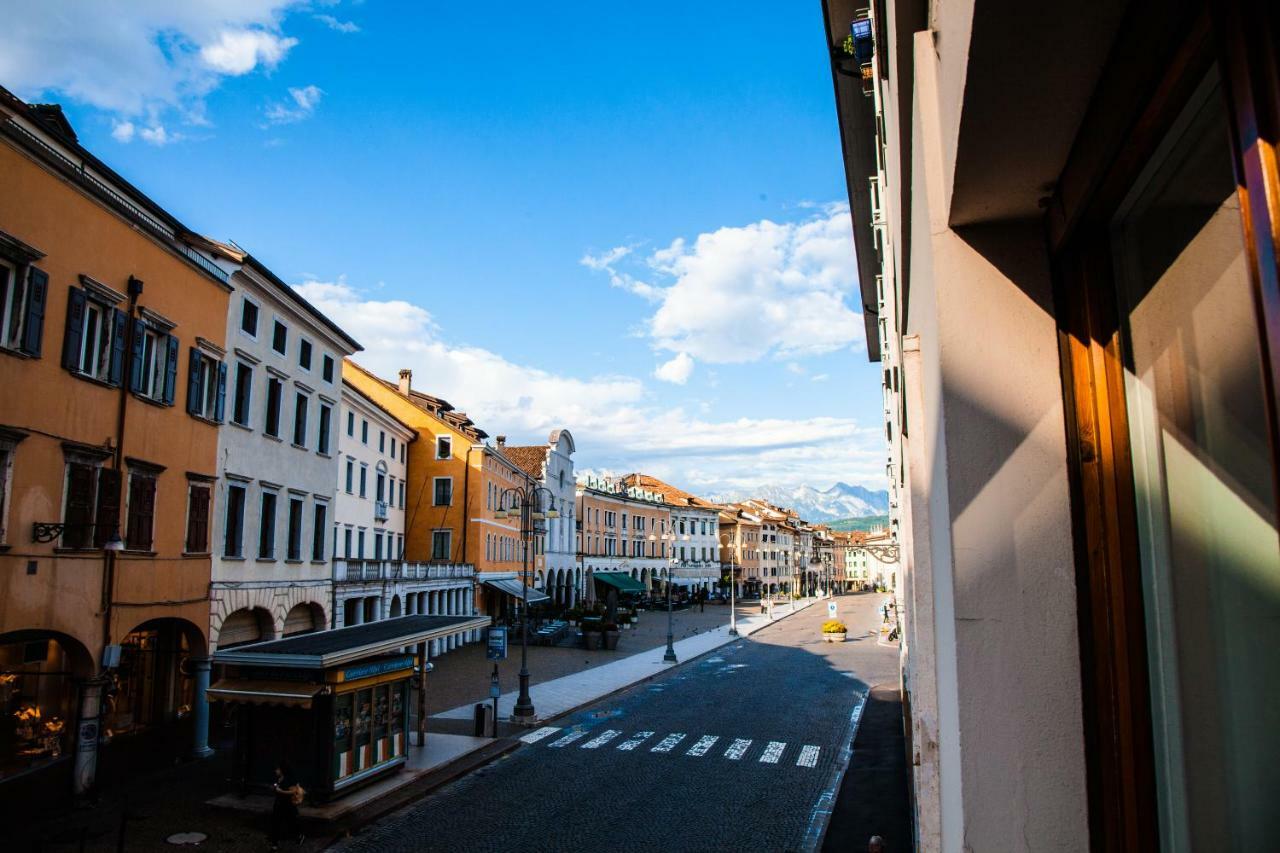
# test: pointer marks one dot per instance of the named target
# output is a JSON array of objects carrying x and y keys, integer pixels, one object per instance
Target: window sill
[
  {"x": 297, "y": 446},
  {"x": 293, "y": 562},
  {"x": 233, "y": 558},
  {"x": 323, "y": 455},
  {"x": 195, "y": 555},
  {"x": 15, "y": 353},
  {"x": 203, "y": 419},
  {"x": 273, "y": 437},
  {"x": 143, "y": 398},
  {"x": 137, "y": 552},
  {"x": 61, "y": 550},
  {"x": 265, "y": 560},
  {"x": 244, "y": 427},
  {"x": 319, "y": 562},
  {"x": 93, "y": 380}
]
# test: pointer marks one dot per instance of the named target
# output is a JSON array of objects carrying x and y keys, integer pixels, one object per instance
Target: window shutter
[
  {"x": 79, "y": 512},
  {"x": 119, "y": 327},
  {"x": 194, "y": 394},
  {"x": 219, "y": 405},
  {"x": 108, "y": 515},
  {"x": 74, "y": 332},
  {"x": 171, "y": 369},
  {"x": 198, "y": 522},
  {"x": 142, "y": 508},
  {"x": 135, "y": 359},
  {"x": 33, "y": 325}
]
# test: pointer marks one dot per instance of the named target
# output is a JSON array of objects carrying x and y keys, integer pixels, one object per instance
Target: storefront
[
  {"x": 39, "y": 678},
  {"x": 335, "y": 705}
]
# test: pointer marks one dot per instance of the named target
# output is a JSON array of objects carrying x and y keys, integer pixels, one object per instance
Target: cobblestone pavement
[
  {"x": 732, "y": 751},
  {"x": 462, "y": 675}
]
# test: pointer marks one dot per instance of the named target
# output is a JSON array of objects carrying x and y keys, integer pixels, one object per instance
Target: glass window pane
[{"x": 1202, "y": 471}]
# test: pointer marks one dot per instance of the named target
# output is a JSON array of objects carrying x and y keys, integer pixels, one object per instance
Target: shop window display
[{"x": 37, "y": 697}]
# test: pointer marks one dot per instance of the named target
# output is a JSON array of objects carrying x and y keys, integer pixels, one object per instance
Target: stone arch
[
  {"x": 78, "y": 659},
  {"x": 395, "y": 606},
  {"x": 243, "y": 626},
  {"x": 303, "y": 618}
]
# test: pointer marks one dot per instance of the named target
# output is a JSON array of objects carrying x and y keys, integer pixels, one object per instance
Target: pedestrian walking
[
  {"x": 702, "y": 601},
  {"x": 284, "y": 811}
]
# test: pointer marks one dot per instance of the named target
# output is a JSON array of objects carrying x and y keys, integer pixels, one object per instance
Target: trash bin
[{"x": 484, "y": 719}]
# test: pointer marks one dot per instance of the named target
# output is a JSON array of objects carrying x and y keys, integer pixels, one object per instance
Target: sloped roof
[
  {"x": 528, "y": 458},
  {"x": 434, "y": 406},
  {"x": 672, "y": 494}
]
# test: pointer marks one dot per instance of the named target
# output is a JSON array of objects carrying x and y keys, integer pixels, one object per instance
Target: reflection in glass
[{"x": 1202, "y": 472}]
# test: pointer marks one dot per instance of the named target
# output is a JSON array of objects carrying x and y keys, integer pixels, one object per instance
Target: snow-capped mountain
[{"x": 839, "y": 501}]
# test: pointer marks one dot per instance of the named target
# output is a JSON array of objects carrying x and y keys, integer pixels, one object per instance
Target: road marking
[
  {"x": 668, "y": 743},
  {"x": 634, "y": 741},
  {"x": 737, "y": 749},
  {"x": 601, "y": 739},
  {"x": 703, "y": 746},
  {"x": 772, "y": 752},
  {"x": 567, "y": 739},
  {"x": 808, "y": 757},
  {"x": 535, "y": 736}
]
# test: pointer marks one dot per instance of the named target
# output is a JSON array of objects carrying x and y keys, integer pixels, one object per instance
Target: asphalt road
[{"x": 734, "y": 751}]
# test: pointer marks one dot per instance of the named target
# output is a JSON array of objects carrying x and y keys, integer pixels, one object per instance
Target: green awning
[{"x": 621, "y": 582}]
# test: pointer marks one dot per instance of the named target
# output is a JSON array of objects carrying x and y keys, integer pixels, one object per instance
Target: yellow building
[
  {"x": 455, "y": 480},
  {"x": 111, "y": 365}
]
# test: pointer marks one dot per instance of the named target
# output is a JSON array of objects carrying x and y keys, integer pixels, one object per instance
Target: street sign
[
  {"x": 497, "y": 649},
  {"x": 831, "y": 609}
]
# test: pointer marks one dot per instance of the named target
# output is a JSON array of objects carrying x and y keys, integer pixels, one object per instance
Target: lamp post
[
  {"x": 733, "y": 583},
  {"x": 531, "y": 504}
]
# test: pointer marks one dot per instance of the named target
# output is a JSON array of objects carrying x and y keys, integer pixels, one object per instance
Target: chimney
[
  {"x": 406, "y": 381},
  {"x": 502, "y": 441}
]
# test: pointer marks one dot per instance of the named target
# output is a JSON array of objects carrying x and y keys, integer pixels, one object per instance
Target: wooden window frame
[{"x": 1161, "y": 54}]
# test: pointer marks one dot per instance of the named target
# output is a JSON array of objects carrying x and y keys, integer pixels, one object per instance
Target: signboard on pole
[
  {"x": 831, "y": 609},
  {"x": 497, "y": 649}
]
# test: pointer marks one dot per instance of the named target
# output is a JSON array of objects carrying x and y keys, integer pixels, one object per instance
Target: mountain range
[{"x": 840, "y": 501}]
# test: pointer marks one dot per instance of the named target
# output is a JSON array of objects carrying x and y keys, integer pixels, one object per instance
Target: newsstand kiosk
[{"x": 333, "y": 704}]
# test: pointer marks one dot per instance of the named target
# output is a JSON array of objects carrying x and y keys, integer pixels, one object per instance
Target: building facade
[
  {"x": 108, "y": 460},
  {"x": 695, "y": 526},
  {"x": 740, "y": 549},
  {"x": 1067, "y": 249},
  {"x": 277, "y": 459},
  {"x": 623, "y": 529},
  {"x": 555, "y": 561}
]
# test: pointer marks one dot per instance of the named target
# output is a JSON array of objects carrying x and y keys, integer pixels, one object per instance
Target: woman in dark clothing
[{"x": 284, "y": 812}]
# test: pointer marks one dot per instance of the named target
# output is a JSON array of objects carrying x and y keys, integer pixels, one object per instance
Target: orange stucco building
[
  {"x": 455, "y": 480},
  {"x": 110, "y": 366}
]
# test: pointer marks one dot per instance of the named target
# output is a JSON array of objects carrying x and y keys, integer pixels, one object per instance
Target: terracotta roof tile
[{"x": 528, "y": 458}]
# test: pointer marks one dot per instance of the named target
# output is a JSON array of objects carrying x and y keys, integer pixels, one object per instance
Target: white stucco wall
[{"x": 374, "y": 456}]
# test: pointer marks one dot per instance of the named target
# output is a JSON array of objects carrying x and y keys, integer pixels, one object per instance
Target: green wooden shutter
[
  {"x": 171, "y": 369},
  {"x": 135, "y": 358},
  {"x": 219, "y": 405},
  {"x": 119, "y": 331},
  {"x": 79, "y": 512},
  {"x": 73, "y": 334},
  {"x": 108, "y": 512},
  {"x": 194, "y": 391},
  {"x": 33, "y": 324}
]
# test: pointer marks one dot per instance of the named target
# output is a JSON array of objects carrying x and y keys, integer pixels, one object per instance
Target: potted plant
[
  {"x": 611, "y": 635},
  {"x": 834, "y": 631}
]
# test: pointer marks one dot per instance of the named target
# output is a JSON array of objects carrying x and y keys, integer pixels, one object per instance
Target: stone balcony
[{"x": 361, "y": 571}]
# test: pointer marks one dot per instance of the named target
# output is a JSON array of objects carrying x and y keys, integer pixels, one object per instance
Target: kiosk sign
[{"x": 497, "y": 649}]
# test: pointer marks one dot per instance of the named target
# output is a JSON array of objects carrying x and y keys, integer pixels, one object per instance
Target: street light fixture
[{"x": 527, "y": 504}]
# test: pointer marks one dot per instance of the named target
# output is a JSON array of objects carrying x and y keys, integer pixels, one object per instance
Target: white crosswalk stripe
[
  {"x": 703, "y": 746},
  {"x": 808, "y": 757},
  {"x": 539, "y": 734},
  {"x": 772, "y": 752},
  {"x": 669, "y": 742},
  {"x": 634, "y": 741},
  {"x": 737, "y": 749},
  {"x": 601, "y": 739},
  {"x": 567, "y": 739}
]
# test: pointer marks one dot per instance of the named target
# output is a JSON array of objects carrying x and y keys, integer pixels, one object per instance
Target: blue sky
[{"x": 621, "y": 218}]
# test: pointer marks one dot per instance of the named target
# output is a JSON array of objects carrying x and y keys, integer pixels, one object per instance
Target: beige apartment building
[{"x": 1066, "y": 230}]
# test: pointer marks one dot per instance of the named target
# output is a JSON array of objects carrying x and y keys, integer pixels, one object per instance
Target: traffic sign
[{"x": 831, "y": 609}]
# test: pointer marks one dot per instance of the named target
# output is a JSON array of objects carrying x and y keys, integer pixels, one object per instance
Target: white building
[
  {"x": 277, "y": 459},
  {"x": 550, "y": 465}
]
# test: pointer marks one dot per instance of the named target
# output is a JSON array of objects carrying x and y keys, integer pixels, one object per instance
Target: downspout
[{"x": 466, "y": 501}]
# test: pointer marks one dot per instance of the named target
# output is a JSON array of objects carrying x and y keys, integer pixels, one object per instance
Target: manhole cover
[{"x": 187, "y": 839}]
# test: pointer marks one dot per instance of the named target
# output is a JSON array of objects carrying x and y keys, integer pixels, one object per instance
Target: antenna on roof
[{"x": 231, "y": 242}]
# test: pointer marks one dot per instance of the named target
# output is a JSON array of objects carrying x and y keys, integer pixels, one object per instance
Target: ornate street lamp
[
  {"x": 733, "y": 583},
  {"x": 531, "y": 504}
]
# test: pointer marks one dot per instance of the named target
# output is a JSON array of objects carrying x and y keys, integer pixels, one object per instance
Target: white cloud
[
  {"x": 742, "y": 293},
  {"x": 340, "y": 26},
  {"x": 158, "y": 135},
  {"x": 819, "y": 377},
  {"x": 122, "y": 131},
  {"x": 616, "y": 420},
  {"x": 154, "y": 60},
  {"x": 676, "y": 371},
  {"x": 238, "y": 52},
  {"x": 305, "y": 101}
]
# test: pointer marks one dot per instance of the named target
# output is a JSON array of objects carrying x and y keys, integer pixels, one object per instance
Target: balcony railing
[{"x": 356, "y": 571}]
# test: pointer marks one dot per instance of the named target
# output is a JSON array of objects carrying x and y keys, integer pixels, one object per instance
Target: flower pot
[
  {"x": 834, "y": 637},
  {"x": 611, "y": 640},
  {"x": 592, "y": 639}
]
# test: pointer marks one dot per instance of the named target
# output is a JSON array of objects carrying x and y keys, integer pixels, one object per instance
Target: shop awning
[
  {"x": 250, "y": 692},
  {"x": 621, "y": 582},
  {"x": 515, "y": 589}
]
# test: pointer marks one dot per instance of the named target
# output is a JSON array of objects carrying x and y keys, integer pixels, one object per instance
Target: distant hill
[
  {"x": 868, "y": 523},
  {"x": 841, "y": 501}
]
